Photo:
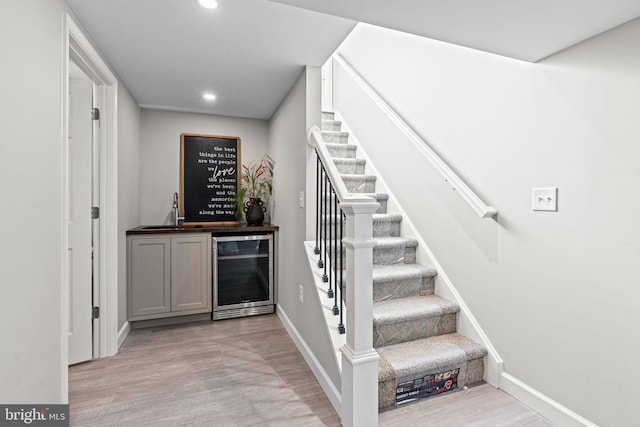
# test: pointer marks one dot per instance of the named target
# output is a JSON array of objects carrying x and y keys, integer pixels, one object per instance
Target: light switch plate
[{"x": 545, "y": 199}]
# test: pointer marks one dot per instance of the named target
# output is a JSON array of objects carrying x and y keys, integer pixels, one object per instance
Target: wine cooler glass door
[{"x": 244, "y": 273}]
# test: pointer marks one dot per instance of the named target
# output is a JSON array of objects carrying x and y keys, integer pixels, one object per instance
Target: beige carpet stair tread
[
  {"x": 411, "y": 308},
  {"x": 348, "y": 160},
  {"x": 377, "y": 196},
  {"x": 426, "y": 355},
  {"x": 377, "y": 217},
  {"x": 334, "y": 132},
  {"x": 385, "y": 273},
  {"x": 402, "y": 280},
  {"x": 390, "y": 242}
]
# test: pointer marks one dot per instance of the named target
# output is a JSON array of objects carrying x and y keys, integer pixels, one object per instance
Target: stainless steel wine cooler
[{"x": 242, "y": 275}]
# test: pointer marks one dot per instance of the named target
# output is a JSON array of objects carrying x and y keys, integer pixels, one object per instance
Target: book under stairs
[{"x": 414, "y": 331}]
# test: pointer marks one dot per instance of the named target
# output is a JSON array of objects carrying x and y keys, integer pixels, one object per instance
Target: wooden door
[{"x": 79, "y": 173}]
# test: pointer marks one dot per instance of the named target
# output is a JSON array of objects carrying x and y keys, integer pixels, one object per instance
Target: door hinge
[
  {"x": 95, "y": 114},
  {"x": 95, "y": 312},
  {"x": 95, "y": 212}
]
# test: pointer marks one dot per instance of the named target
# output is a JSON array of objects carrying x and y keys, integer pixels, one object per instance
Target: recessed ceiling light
[
  {"x": 209, "y": 4},
  {"x": 209, "y": 97}
]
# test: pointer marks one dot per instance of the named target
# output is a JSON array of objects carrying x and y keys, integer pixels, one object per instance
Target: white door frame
[{"x": 77, "y": 45}]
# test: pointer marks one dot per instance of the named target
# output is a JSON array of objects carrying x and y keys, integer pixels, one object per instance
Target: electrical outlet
[
  {"x": 301, "y": 199},
  {"x": 545, "y": 199},
  {"x": 301, "y": 294}
]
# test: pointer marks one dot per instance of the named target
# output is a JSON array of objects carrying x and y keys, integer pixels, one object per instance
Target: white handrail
[
  {"x": 450, "y": 177},
  {"x": 314, "y": 140}
]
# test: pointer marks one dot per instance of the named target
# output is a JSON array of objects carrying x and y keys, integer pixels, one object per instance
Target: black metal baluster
[
  {"x": 341, "y": 328},
  {"x": 329, "y": 219},
  {"x": 322, "y": 205},
  {"x": 335, "y": 218},
  {"x": 316, "y": 250},
  {"x": 325, "y": 278},
  {"x": 329, "y": 244}
]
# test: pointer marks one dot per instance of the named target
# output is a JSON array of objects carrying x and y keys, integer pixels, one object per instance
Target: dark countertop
[{"x": 214, "y": 228}]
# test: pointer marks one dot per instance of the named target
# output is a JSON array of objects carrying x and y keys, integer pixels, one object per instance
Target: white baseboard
[
  {"x": 321, "y": 375},
  {"x": 122, "y": 333},
  {"x": 542, "y": 404}
]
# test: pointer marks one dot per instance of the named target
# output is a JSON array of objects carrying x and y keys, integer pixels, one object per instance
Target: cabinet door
[
  {"x": 149, "y": 276},
  {"x": 191, "y": 273}
]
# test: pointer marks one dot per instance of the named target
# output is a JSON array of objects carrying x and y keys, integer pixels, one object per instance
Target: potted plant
[{"x": 255, "y": 191}]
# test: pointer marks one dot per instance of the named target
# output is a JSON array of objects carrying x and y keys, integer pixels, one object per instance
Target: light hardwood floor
[{"x": 244, "y": 372}]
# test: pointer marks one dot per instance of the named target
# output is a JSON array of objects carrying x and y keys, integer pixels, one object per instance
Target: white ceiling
[
  {"x": 523, "y": 29},
  {"x": 250, "y": 52}
]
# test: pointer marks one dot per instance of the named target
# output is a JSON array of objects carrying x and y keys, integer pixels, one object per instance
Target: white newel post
[{"x": 359, "y": 359}]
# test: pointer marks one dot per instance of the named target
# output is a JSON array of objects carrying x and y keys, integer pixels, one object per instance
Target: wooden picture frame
[{"x": 210, "y": 172}]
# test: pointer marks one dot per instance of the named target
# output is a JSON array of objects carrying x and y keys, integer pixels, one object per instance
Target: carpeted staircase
[{"x": 414, "y": 331}]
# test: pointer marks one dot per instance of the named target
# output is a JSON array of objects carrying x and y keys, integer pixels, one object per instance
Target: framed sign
[{"x": 209, "y": 178}]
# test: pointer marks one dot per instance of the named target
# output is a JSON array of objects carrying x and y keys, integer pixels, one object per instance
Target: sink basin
[{"x": 169, "y": 227}]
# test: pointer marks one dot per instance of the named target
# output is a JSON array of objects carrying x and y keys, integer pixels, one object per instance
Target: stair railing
[
  {"x": 450, "y": 177},
  {"x": 335, "y": 204}
]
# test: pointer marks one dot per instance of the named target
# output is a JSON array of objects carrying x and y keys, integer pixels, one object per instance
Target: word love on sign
[{"x": 209, "y": 178}]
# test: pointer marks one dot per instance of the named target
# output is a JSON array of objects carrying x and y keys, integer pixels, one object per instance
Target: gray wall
[
  {"x": 128, "y": 186},
  {"x": 556, "y": 293},
  {"x": 291, "y": 153},
  {"x": 160, "y": 153},
  {"x": 31, "y": 178},
  {"x": 33, "y": 362}
]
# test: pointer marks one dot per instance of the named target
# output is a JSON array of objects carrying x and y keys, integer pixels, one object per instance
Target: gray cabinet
[
  {"x": 149, "y": 266},
  {"x": 191, "y": 273},
  {"x": 169, "y": 275}
]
